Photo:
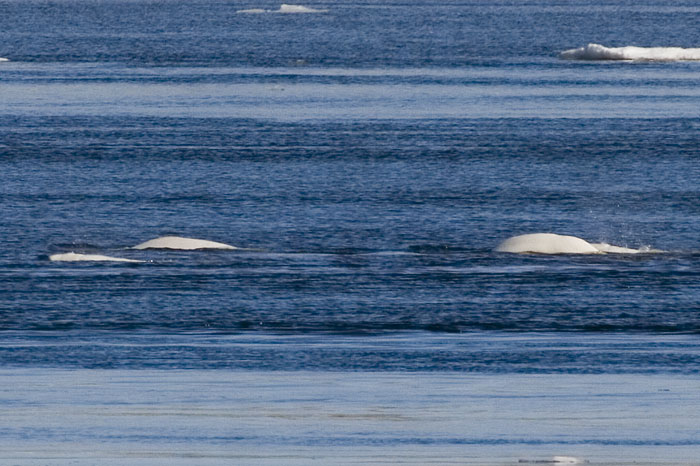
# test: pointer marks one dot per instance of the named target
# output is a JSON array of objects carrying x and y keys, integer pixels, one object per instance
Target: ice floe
[{"x": 632, "y": 53}]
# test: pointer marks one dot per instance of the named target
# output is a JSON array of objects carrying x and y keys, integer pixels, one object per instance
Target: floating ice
[
  {"x": 550, "y": 243},
  {"x": 600, "y": 52},
  {"x": 567, "y": 460},
  {"x": 75, "y": 257},
  {"x": 284, "y": 8},
  {"x": 177, "y": 242}
]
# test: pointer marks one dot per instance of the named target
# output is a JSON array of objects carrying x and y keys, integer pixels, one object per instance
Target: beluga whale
[
  {"x": 284, "y": 8},
  {"x": 76, "y": 257},
  {"x": 183, "y": 244},
  {"x": 550, "y": 243}
]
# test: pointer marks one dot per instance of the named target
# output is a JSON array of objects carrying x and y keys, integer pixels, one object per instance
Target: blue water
[{"x": 367, "y": 159}]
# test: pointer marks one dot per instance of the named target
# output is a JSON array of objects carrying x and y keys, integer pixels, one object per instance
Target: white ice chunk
[
  {"x": 567, "y": 460},
  {"x": 600, "y": 52}
]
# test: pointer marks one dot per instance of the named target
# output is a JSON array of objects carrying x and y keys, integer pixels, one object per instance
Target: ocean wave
[
  {"x": 76, "y": 257},
  {"x": 4, "y": 59},
  {"x": 632, "y": 53},
  {"x": 284, "y": 8}
]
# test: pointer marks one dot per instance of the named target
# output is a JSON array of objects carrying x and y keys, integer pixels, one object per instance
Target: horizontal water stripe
[
  {"x": 483, "y": 352},
  {"x": 287, "y": 94},
  {"x": 262, "y": 417},
  {"x": 513, "y": 74}
]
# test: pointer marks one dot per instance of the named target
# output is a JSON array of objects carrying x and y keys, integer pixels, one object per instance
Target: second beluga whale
[
  {"x": 550, "y": 243},
  {"x": 183, "y": 244}
]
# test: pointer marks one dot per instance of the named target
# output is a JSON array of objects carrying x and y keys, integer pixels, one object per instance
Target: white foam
[
  {"x": 284, "y": 8},
  {"x": 177, "y": 242},
  {"x": 4, "y": 59},
  {"x": 550, "y": 243},
  {"x": 75, "y": 257},
  {"x": 600, "y": 52},
  {"x": 609, "y": 248}
]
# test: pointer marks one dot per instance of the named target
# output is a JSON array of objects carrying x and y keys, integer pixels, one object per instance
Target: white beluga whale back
[
  {"x": 550, "y": 243},
  {"x": 284, "y": 8},
  {"x": 76, "y": 257},
  {"x": 547, "y": 243},
  {"x": 180, "y": 243}
]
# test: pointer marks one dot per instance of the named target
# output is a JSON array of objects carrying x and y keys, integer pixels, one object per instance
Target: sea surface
[{"x": 365, "y": 158}]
